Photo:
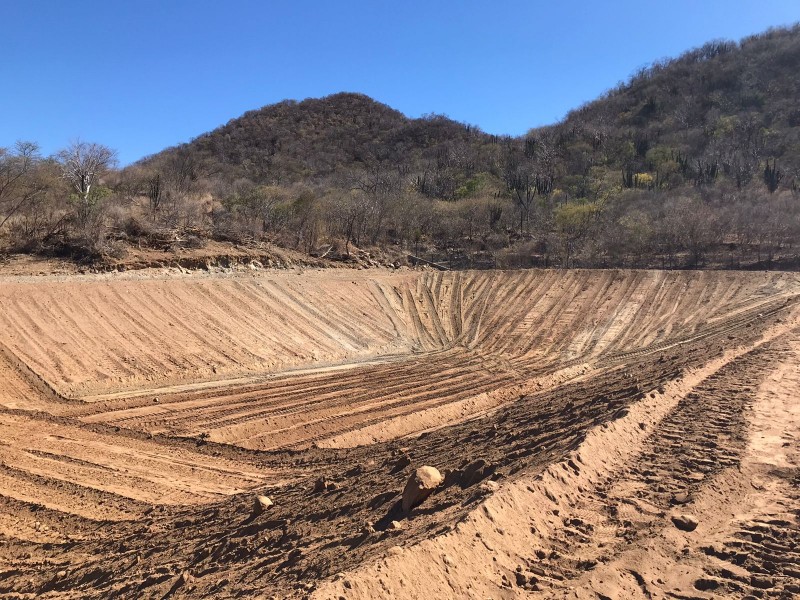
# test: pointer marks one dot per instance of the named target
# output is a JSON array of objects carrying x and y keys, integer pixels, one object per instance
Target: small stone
[
  {"x": 476, "y": 471},
  {"x": 685, "y": 522},
  {"x": 761, "y": 582},
  {"x": 705, "y": 584},
  {"x": 680, "y": 498},
  {"x": 489, "y": 486},
  {"x": 402, "y": 463},
  {"x": 261, "y": 504}
]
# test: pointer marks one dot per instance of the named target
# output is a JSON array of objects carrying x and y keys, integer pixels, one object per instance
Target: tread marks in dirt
[
  {"x": 704, "y": 435},
  {"x": 307, "y": 536}
]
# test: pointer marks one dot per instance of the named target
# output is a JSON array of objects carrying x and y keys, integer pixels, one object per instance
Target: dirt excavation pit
[{"x": 620, "y": 434}]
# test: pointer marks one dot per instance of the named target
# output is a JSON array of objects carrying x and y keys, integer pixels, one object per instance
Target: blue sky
[{"x": 140, "y": 75}]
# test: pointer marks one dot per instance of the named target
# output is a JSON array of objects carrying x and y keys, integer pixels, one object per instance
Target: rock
[
  {"x": 705, "y": 584},
  {"x": 261, "y": 504},
  {"x": 680, "y": 498},
  {"x": 685, "y": 522},
  {"x": 320, "y": 485},
  {"x": 489, "y": 486},
  {"x": 395, "y": 525},
  {"x": 762, "y": 583},
  {"x": 294, "y": 556},
  {"x": 401, "y": 463},
  {"x": 420, "y": 485},
  {"x": 476, "y": 471}
]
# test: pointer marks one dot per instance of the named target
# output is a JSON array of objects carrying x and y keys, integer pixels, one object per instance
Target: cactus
[
  {"x": 627, "y": 177},
  {"x": 772, "y": 175}
]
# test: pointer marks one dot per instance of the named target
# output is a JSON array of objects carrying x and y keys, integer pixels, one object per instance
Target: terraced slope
[
  {"x": 372, "y": 357},
  {"x": 53, "y": 465}
]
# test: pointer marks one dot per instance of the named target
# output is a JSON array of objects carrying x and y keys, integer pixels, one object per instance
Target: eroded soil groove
[{"x": 118, "y": 440}]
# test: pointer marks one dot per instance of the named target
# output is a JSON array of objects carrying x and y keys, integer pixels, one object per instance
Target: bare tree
[
  {"x": 380, "y": 186},
  {"x": 18, "y": 186},
  {"x": 83, "y": 164}
]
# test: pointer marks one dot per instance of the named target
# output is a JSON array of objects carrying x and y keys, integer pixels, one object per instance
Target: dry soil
[{"x": 581, "y": 419}]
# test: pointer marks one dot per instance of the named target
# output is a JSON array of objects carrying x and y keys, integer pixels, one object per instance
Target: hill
[
  {"x": 297, "y": 141},
  {"x": 716, "y": 112},
  {"x": 693, "y": 162},
  {"x": 322, "y": 140}
]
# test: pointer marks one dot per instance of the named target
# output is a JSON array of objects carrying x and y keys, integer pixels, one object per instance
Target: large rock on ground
[{"x": 420, "y": 485}]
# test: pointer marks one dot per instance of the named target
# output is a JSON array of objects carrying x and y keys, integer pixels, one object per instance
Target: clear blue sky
[{"x": 140, "y": 75}]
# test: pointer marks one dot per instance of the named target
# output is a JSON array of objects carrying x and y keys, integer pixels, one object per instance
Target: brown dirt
[
  {"x": 214, "y": 255},
  {"x": 594, "y": 398}
]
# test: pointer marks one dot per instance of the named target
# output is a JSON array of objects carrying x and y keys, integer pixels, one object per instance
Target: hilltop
[{"x": 309, "y": 140}]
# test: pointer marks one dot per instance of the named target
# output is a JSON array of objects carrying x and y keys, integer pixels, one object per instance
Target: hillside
[
  {"x": 718, "y": 112},
  {"x": 693, "y": 162},
  {"x": 594, "y": 429},
  {"x": 309, "y": 140}
]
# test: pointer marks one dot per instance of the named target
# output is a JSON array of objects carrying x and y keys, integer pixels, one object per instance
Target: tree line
[{"x": 77, "y": 204}]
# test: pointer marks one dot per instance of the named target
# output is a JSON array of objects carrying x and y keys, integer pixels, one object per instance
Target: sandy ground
[
  {"x": 273, "y": 360},
  {"x": 719, "y": 445},
  {"x": 140, "y": 413}
]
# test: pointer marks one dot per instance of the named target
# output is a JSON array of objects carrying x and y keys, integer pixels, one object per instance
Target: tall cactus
[{"x": 772, "y": 175}]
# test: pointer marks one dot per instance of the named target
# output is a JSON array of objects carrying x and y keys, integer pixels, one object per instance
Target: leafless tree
[
  {"x": 83, "y": 164},
  {"x": 18, "y": 185}
]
